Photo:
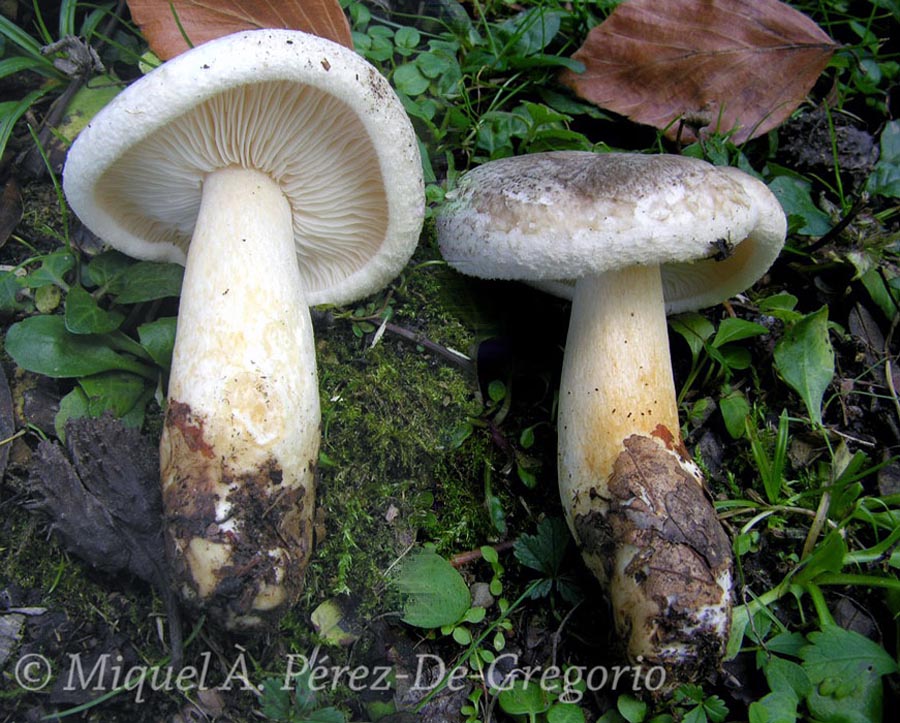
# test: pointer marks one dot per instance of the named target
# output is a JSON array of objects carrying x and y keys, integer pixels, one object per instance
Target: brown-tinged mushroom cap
[{"x": 553, "y": 217}]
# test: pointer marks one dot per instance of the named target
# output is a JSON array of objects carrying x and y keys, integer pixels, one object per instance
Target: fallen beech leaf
[
  {"x": 204, "y": 21},
  {"x": 715, "y": 64}
]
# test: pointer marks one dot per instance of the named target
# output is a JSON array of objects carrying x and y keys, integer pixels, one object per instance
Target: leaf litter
[
  {"x": 684, "y": 66},
  {"x": 101, "y": 494}
]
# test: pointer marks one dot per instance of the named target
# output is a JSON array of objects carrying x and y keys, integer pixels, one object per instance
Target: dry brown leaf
[
  {"x": 715, "y": 64},
  {"x": 206, "y": 20}
]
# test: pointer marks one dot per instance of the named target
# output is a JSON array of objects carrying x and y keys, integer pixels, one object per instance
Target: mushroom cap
[
  {"x": 552, "y": 218},
  {"x": 312, "y": 114}
]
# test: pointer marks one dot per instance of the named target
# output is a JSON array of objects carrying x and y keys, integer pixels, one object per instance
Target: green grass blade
[
  {"x": 14, "y": 34},
  {"x": 11, "y": 111},
  {"x": 20, "y": 64},
  {"x": 67, "y": 18}
]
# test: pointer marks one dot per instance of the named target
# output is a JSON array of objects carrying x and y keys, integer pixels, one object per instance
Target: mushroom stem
[
  {"x": 634, "y": 499},
  {"x": 617, "y": 373},
  {"x": 241, "y": 436}
]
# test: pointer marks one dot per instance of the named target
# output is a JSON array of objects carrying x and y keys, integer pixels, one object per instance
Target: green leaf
[
  {"x": 795, "y": 196},
  {"x": 885, "y": 178},
  {"x": 804, "y": 358},
  {"x": 73, "y": 405},
  {"x": 88, "y": 101},
  {"x": 105, "y": 268},
  {"x": 845, "y": 655},
  {"x": 524, "y": 698},
  {"x": 147, "y": 281},
  {"x": 406, "y": 39},
  {"x": 434, "y": 65},
  {"x": 845, "y": 669},
  {"x": 11, "y": 111},
  {"x": 461, "y": 635},
  {"x": 786, "y": 676},
  {"x": 694, "y": 329},
  {"x": 434, "y": 592},
  {"x": 114, "y": 391},
  {"x": 735, "y": 409},
  {"x": 532, "y": 30},
  {"x": 52, "y": 270},
  {"x": 731, "y": 330},
  {"x": 496, "y": 390},
  {"x": 410, "y": 80},
  {"x": 158, "y": 338},
  {"x": 43, "y": 345},
  {"x": 632, "y": 709},
  {"x": 84, "y": 316},
  {"x": 776, "y": 707},
  {"x": 11, "y": 296},
  {"x": 787, "y": 643},
  {"x": 828, "y": 556},
  {"x": 565, "y": 713},
  {"x": 545, "y": 550}
]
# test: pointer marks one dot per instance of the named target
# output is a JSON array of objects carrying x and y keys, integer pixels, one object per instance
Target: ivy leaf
[
  {"x": 105, "y": 268},
  {"x": 84, "y": 316},
  {"x": 158, "y": 338},
  {"x": 52, "y": 270},
  {"x": 147, "y": 281},
  {"x": 804, "y": 358}
]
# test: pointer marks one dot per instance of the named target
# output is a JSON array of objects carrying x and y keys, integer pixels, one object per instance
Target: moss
[{"x": 389, "y": 412}]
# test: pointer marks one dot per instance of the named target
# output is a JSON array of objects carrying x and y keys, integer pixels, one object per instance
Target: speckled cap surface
[
  {"x": 311, "y": 113},
  {"x": 552, "y": 218}
]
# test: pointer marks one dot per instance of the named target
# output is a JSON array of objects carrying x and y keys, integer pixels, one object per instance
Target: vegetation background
[{"x": 439, "y": 396}]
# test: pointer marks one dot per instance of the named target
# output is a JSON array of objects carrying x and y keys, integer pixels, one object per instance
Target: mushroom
[
  {"x": 282, "y": 170},
  {"x": 643, "y": 235}
]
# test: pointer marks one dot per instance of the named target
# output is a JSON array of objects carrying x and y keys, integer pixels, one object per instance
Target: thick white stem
[
  {"x": 616, "y": 376},
  {"x": 241, "y": 436},
  {"x": 634, "y": 499}
]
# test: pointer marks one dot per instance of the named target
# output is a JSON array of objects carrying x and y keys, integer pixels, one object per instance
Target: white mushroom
[
  {"x": 642, "y": 235},
  {"x": 283, "y": 171}
]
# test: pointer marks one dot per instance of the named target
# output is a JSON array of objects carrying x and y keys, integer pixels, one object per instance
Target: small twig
[
  {"x": 461, "y": 559},
  {"x": 557, "y": 634},
  {"x": 457, "y": 358},
  {"x": 888, "y": 371},
  {"x": 835, "y": 230}
]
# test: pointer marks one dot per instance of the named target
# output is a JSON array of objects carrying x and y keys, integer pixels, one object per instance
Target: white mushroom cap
[
  {"x": 548, "y": 218},
  {"x": 308, "y": 112}
]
